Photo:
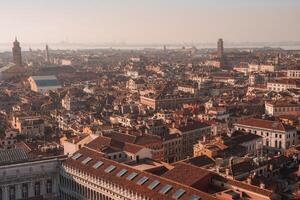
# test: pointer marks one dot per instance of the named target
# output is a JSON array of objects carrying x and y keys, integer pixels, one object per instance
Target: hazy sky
[{"x": 149, "y": 21}]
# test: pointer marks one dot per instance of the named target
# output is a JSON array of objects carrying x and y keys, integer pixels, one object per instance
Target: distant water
[{"x": 25, "y": 47}]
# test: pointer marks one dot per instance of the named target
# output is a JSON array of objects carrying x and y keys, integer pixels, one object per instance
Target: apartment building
[
  {"x": 293, "y": 74},
  {"x": 282, "y": 84},
  {"x": 168, "y": 101},
  {"x": 276, "y": 135},
  {"x": 31, "y": 126},
  {"x": 282, "y": 107},
  {"x": 191, "y": 133}
]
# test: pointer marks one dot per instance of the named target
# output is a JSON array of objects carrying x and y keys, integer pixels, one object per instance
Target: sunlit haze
[{"x": 149, "y": 21}]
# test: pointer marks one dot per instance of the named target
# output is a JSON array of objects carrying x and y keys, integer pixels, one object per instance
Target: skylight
[
  {"x": 85, "y": 161},
  {"x": 122, "y": 172},
  {"x": 76, "y": 156},
  {"x": 178, "y": 194},
  {"x": 98, "y": 164},
  {"x": 194, "y": 197},
  {"x": 110, "y": 169},
  {"x": 142, "y": 180},
  {"x": 153, "y": 185},
  {"x": 131, "y": 176},
  {"x": 165, "y": 189}
]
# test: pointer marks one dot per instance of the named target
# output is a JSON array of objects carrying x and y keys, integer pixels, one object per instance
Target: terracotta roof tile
[
  {"x": 265, "y": 124},
  {"x": 131, "y": 185}
]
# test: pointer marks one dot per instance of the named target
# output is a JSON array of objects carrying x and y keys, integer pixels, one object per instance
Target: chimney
[
  {"x": 262, "y": 185},
  {"x": 271, "y": 167},
  {"x": 249, "y": 180},
  {"x": 227, "y": 172},
  {"x": 173, "y": 125}
]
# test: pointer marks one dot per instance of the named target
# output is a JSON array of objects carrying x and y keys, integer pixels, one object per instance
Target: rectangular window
[
  {"x": 86, "y": 161},
  {"x": 76, "y": 156},
  {"x": 24, "y": 191},
  {"x": 153, "y": 185},
  {"x": 110, "y": 169},
  {"x": 142, "y": 180},
  {"x": 178, "y": 194},
  {"x": 194, "y": 197},
  {"x": 131, "y": 176},
  {"x": 165, "y": 189},
  {"x": 98, "y": 164},
  {"x": 49, "y": 186},
  {"x": 121, "y": 173},
  {"x": 37, "y": 189},
  {"x": 12, "y": 193}
]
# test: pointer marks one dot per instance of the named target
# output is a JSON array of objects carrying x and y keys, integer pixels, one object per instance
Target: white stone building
[
  {"x": 277, "y": 108},
  {"x": 23, "y": 177},
  {"x": 282, "y": 85},
  {"x": 276, "y": 135},
  {"x": 293, "y": 74},
  {"x": 89, "y": 175}
]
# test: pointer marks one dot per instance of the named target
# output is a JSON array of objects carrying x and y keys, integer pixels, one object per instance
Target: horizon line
[{"x": 153, "y": 43}]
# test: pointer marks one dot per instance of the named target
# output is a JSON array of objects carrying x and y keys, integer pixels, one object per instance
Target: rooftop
[
  {"x": 141, "y": 182},
  {"x": 12, "y": 155},
  {"x": 46, "y": 81},
  {"x": 266, "y": 124}
]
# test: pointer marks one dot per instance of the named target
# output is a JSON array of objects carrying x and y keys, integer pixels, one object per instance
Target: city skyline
[
  {"x": 155, "y": 22},
  {"x": 150, "y": 100}
]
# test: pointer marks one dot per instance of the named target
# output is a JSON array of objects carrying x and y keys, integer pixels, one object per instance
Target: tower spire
[{"x": 17, "y": 57}]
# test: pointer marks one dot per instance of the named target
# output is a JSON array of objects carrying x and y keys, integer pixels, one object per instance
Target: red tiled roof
[
  {"x": 77, "y": 138},
  {"x": 283, "y": 103},
  {"x": 285, "y": 81},
  {"x": 265, "y": 124},
  {"x": 245, "y": 186},
  {"x": 193, "y": 126},
  {"x": 132, "y": 148},
  {"x": 102, "y": 141},
  {"x": 183, "y": 170},
  {"x": 131, "y": 185}
]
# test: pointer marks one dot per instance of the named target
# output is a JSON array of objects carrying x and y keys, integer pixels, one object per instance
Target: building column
[
  {"x": 6, "y": 192},
  {"x": 2, "y": 192},
  {"x": 18, "y": 191},
  {"x": 31, "y": 189},
  {"x": 43, "y": 183},
  {"x": 55, "y": 185}
]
